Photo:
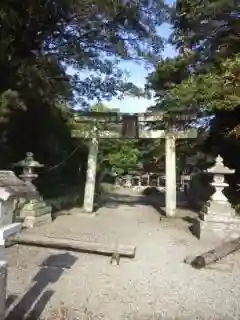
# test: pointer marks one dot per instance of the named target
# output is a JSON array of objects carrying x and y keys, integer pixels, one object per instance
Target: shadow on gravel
[
  {"x": 194, "y": 226},
  {"x": 150, "y": 196},
  {"x": 114, "y": 200},
  {"x": 33, "y": 302}
]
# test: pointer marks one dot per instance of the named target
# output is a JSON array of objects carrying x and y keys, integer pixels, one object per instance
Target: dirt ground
[{"x": 156, "y": 284}]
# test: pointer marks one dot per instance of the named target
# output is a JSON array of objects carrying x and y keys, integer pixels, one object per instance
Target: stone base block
[
  {"x": 224, "y": 229},
  {"x": 31, "y": 221},
  {"x": 219, "y": 210},
  {"x": 3, "y": 286},
  {"x": 34, "y": 213}
]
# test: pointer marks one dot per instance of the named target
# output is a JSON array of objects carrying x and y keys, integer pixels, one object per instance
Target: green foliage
[
  {"x": 126, "y": 158},
  {"x": 217, "y": 89},
  {"x": 208, "y": 28},
  {"x": 205, "y": 76},
  {"x": 168, "y": 73},
  {"x": 204, "y": 79},
  {"x": 40, "y": 38},
  {"x": 39, "y": 41}
]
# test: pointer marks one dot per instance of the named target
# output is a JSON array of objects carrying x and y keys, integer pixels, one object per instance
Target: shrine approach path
[{"x": 157, "y": 284}]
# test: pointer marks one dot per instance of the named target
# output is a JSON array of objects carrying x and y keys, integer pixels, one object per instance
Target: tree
[
  {"x": 126, "y": 158},
  {"x": 204, "y": 78},
  {"x": 39, "y": 41}
]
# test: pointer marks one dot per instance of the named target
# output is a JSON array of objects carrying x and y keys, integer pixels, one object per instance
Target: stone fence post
[
  {"x": 3, "y": 286},
  {"x": 5, "y": 232}
]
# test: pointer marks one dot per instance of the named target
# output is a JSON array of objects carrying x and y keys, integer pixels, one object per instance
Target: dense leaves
[
  {"x": 205, "y": 76},
  {"x": 122, "y": 157},
  {"x": 209, "y": 28},
  {"x": 40, "y": 38},
  {"x": 56, "y": 55}
]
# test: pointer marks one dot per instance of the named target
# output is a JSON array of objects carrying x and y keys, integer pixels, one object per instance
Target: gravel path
[{"x": 154, "y": 285}]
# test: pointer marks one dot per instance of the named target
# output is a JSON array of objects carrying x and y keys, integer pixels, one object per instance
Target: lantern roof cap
[
  {"x": 28, "y": 162},
  {"x": 220, "y": 168}
]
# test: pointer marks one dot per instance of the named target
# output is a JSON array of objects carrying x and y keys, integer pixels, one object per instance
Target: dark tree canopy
[
  {"x": 205, "y": 77},
  {"x": 209, "y": 28},
  {"x": 40, "y": 38},
  {"x": 39, "y": 41}
]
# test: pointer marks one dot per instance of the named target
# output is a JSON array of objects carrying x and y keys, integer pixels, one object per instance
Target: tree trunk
[
  {"x": 216, "y": 254},
  {"x": 74, "y": 245}
]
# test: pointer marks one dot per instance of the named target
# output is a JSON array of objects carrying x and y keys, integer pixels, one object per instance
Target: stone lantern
[
  {"x": 217, "y": 215},
  {"x": 35, "y": 210},
  {"x": 219, "y": 171},
  {"x": 28, "y": 166}
]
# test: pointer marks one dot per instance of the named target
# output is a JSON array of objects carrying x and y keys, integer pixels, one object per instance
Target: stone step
[
  {"x": 36, "y": 211},
  {"x": 34, "y": 206},
  {"x": 39, "y": 211},
  {"x": 45, "y": 211}
]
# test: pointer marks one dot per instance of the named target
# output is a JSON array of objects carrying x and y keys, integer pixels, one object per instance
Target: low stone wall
[
  {"x": 3, "y": 285},
  {"x": 141, "y": 189}
]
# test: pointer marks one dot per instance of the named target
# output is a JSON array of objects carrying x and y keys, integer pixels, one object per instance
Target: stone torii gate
[{"x": 132, "y": 126}]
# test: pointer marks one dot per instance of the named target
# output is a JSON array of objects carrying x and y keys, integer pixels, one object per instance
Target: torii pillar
[
  {"x": 171, "y": 167},
  {"x": 170, "y": 174},
  {"x": 89, "y": 191}
]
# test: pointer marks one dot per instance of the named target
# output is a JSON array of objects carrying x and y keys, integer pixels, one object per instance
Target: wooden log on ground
[
  {"x": 127, "y": 251},
  {"x": 216, "y": 254}
]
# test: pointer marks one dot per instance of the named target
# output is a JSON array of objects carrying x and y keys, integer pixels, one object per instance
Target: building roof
[{"x": 12, "y": 184}]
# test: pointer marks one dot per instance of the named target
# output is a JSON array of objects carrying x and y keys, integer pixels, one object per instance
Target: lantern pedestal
[
  {"x": 217, "y": 217},
  {"x": 219, "y": 220},
  {"x": 34, "y": 212}
]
